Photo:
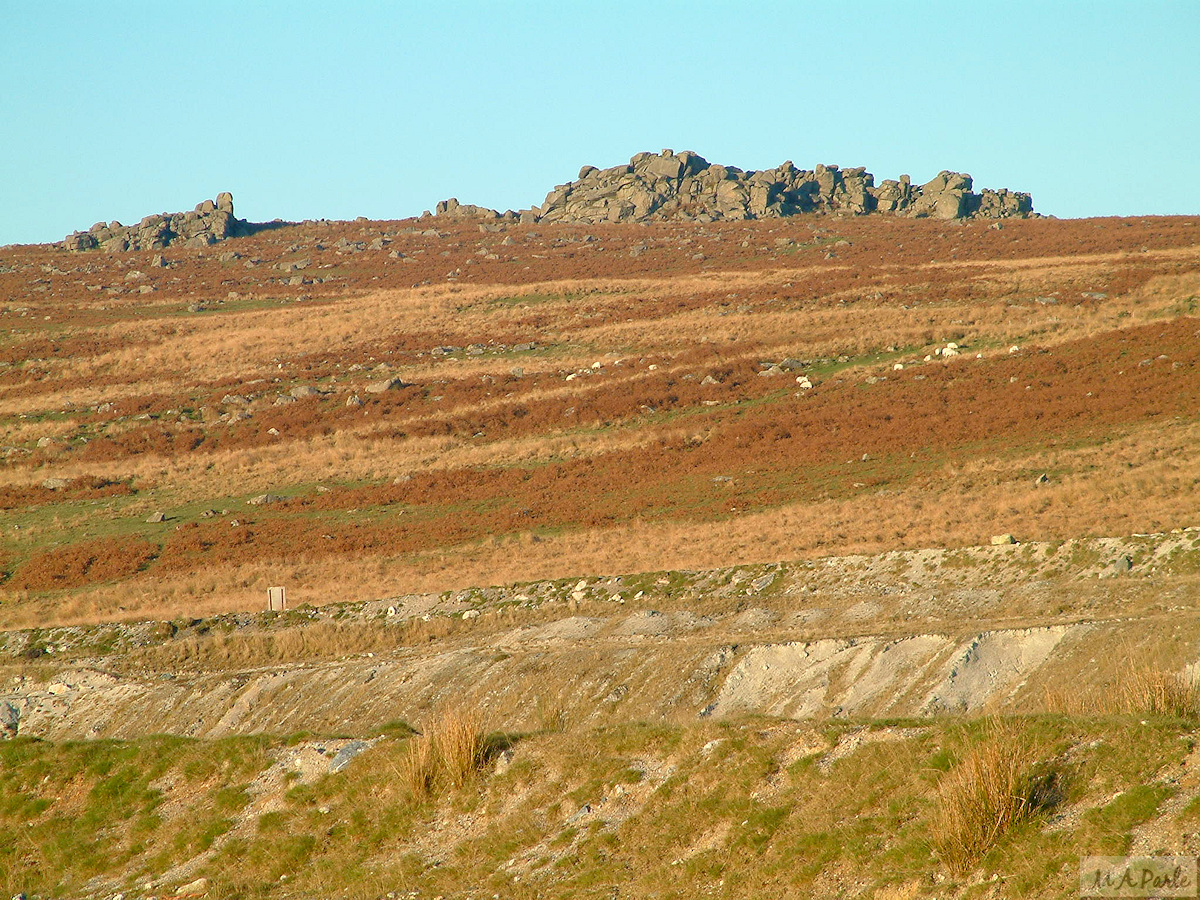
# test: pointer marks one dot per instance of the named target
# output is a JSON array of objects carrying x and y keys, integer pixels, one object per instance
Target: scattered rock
[
  {"x": 1000, "y": 540},
  {"x": 54, "y": 484},
  {"x": 1122, "y": 565},
  {"x": 453, "y": 209},
  {"x": 10, "y": 720},
  {"x": 265, "y": 499},
  {"x": 155, "y": 518},
  {"x": 762, "y": 582},
  {"x": 343, "y": 757}
]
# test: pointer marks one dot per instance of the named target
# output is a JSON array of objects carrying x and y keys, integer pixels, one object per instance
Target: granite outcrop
[
  {"x": 685, "y": 187},
  {"x": 211, "y": 221}
]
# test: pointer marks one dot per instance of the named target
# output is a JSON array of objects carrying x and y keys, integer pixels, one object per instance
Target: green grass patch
[{"x": 736, "y": 809}]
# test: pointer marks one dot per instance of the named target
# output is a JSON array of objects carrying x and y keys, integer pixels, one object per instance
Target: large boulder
[
  {"x": 453, "y": 208},
  {"x": 947, "y": 196}
]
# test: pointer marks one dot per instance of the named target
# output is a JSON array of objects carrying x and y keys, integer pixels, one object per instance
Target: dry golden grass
[
  {"x": 459, "y": 739},
  {"x": 447, "y": 755},
  {"x": 989, "y": 791},
  {"x": 246, "y": 344},
  {"x": 752, "y": 305},
  {"x": 314, "y": 640},
  {"x": 1152, "y": 691},
  {"x": 419, "y": 772},
  {"x": 1136, "y": 484},
  {"x": 909, "y": 891}
]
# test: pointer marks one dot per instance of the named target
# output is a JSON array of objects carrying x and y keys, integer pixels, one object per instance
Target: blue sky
[{"x": 306, "y": 110}]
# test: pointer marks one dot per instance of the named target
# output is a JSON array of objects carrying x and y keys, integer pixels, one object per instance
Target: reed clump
[
  {"x": 995, "y": 786},
  {"x": 448, "y": 754}
]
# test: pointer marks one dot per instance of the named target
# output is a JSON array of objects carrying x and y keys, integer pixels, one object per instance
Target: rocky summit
[
  {"x": 209, "y": 222},
  {"x": 685, "y": 187}
]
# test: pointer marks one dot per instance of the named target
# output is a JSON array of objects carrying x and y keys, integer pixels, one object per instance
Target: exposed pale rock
[
  {"x": 387, "y": 384},
  {"x": 686, "y": 187},
  {"x": 209, "y": 222},
  {"x": 265, "y": 499}
]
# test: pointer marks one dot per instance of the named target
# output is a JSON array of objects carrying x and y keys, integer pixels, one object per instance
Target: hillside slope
[
  {"x": 417, "y": 409},
  {"x": 732, "y": 557}
]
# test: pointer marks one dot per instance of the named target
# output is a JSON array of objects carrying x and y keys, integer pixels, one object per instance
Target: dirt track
[{"x": 917, "y": 634}]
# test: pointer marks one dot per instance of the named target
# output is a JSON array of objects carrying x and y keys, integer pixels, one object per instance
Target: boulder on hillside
[{"x": 454, "y": 209}]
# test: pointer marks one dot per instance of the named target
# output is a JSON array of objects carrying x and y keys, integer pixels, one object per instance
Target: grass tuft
[
  {"x": 460, "y": 744},
  {"x": 992, "y": 789},
  {"x": 1155, "y": 692},
  {"x": 420, "y": 771},
  {"x": 448, "y": 754}
]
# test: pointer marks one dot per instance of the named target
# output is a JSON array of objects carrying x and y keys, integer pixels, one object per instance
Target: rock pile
[
  {"x": 454, "y": 209},
  {"x": 209, "y": 222},
  {"x": 686, "y": 187}
]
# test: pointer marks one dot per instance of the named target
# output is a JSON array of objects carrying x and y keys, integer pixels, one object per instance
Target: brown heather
[{"x": 478, "y": 474}]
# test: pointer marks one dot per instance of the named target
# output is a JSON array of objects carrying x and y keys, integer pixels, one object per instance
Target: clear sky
[{"x": 114, "y": 110}]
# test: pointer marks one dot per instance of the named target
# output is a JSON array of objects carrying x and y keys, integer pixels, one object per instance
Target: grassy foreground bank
[{"x": 944, "y": 807}]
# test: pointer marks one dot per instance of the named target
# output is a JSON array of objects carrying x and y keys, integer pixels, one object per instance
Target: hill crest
[{"x": 685, "y": 187}]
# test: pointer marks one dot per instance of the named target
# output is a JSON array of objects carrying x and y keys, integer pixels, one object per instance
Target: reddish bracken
[{"x": 582, "y": 385}]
